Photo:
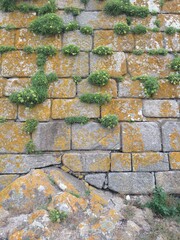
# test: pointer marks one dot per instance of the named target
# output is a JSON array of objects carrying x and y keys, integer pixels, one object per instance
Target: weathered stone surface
[
  {"x": 95, "y": 5},
  {"x": 171, "y": 136},
  {"x": 52, "y": 136},
  {"x": 94, "y": 136},
  {"x": 18, "y": 64},
  {"x": 97, "y": 180},
  {"x": 79, "y": 39},
  {"x": 5, "y": 180},
  {"x": 62, "y": 108},
  {"x": 65, "y": 17},
  {"x": 7, "y": 37},
  {"x": 131, "y": 183},
  {"x": 171, "y": 6},
  {"x": 26, "y": 38},
  {"x": 150, "y": 161},
  {"x": 172, "y": 42},
  {"x": 169, "y": 20},
  {"x": 67, "y": 66},
  {"x": 160, "y": 108},
  {"x": 24, "y": 163},
  {"x": 41, "y": 112},
  {"x": 67, "y": 3},
  {"x": 13, "y": 138},
  {"x": 15, "y": 85},
  {"x": 125, "y": 109},
  {"x": 175, "y": 160},
  {"x": 153, "y": 5},
  {"x": 150, "y": 65},
  {"x": 167, "y": 90},
  {"x": 148, "y": 21},
  {"x": 110, "y": 39},
  {"x": 84, "y": 87},
  {"x": 120, "y": 162},
  {"x": 169, "y": 181},
  {"x": 2, "y": 85},
  {"x": 87, "y": 161},
  {"x": 149, "y": 40},
  {"x": 139, "y": 137},
  {"x": 7, "y": 109}
]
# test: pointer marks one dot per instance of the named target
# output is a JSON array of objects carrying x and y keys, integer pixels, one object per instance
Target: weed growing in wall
[
  {"x": 85, "y": 1},
  {"x": 30, "y": 126},
  {"x": 8, "y": 5},
  {"x": 170, "y": 30},
  {"x": 99, "y": 78},
  {"x": 57, "y": 216},
  {"x": 87, "y": 30},
  {"x": 52, "y": 77},
  {"x": 121, "y": 28},
  {"x": 79, "y": 119},
  {"x": 28, "y": 49},
  {"x": 30, "y": 147},
  {"x": 175, "y": 64},
  {"x": 77, "y": 79},
  {"x": 103, "y": 51},
  {"x": 154, "y": 29},
  {"x": 109, "y": 121},
  {"x": 73, "y": 10},
  {"x": 157, "y": 23},
  {"x": 174, "y": 78},
  {"x": 2, "y": 120},
  {"x": 97, "y": 98},
  {"x": 4, "y": 49},
  {"x": 139, "y": 29},
  {"x": 160, "y": 51},
  {"x": 71, "y": 50},
  {"x": 71, "y": 26},
  {"x": 138, "y": 52}
]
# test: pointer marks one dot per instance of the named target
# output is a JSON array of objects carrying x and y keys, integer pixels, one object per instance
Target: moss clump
[
  {"x": 71, "y": 26},
  {"x": 28, "y": 49},
  {"x": 170, "y": 30},
  {"x": 79, "y": 119},
  {"x": 8, "y": 5},
  {"x": 57, "y": 216},
  {"x": 103, "y": 51},
  {"x": 97, "y": 98},
  {"x": 77, "y": 79},
  {"x": 44, "y": 52},
  {"x": 73, "y": 10},
  {"x": 139, "y": 29},
  {"x": 174, "y": 78},
  {"x": 30, "y": 126},
  {"x": 39, "y": 79},
  {"x": 175, "y": 64},
  {"x": 87, "y": 30},
  {"x": 99, "y": 78},
  {"x": 4, "y": 49},
  {"x": 52, "y": 77},
  {"x": 109, "y": 121},
  {"x": 71, "y": 50},
  {"x": 121, "y": 28},
  {"x": 138, "y": 52},
  {"x": 30, "y": 147},
  {"x": 160, "y": 51}
]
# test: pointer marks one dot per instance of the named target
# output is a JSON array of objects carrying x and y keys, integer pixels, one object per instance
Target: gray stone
[
  {"x": 171, "y": 136},
  {"x": 96, "y": 180},
  {"x": 52, "y": 136},
  {"x": 94, "y": 136},
  {"x": 65, "y": 17},
  {"x": 66, "y": 3},
  {"x": 169, "y": 181},
  {"x": 131, "y": 183},
  {"x": 5, "y": 180}
]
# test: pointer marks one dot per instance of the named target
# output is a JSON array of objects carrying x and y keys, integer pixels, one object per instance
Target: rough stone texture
[
  {"x": 139, "y": 137},
  {"x": 15, "y": 85},
  {"x": 172, "y": 42},
  {"x": 65, "y": 17},
  {"x": 149, "y": 40},
  {"x": 96, "y": 180},
  {"x": 125, "y": 109},
  {"x": 148, "y": 21},
  {"x": 160, "y": 108},
  {"x": 62, "y": 108},
  {"x": 52, "y": 136},
  {"x": 120, "y": 162},
  {"x": 169, "y": 20},
  {"x": 171, "y": 6},
  {"x": 2, "y": 85},
  {"x": 171, "y": 136},
  {"x": 131, "y": 183},
  {"x": 7, "y": 37},
  {"x": 167, "y": 90},
  {"x": 153, "y": 5},
  {"x": 7, "y": 109},
  {"x": 150, "y": 162},
  {"x": 94, "y": 136},
  {"x": 87, "y": 161},
  {"x": 5, "y": 180},
  {"x": 169, "y": 181},
  {"x": 175, "y": 160},
  {"x": 67, "y": 3}
]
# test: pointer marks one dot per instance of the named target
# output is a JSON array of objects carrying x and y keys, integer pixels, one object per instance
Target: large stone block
[
  {"x": 131, "y": 183},
  {"x": 15, "y": 85},
  {"x": 125, "y": 109},
  {"x": 7, "y": 109},
  {"x": 63, "y": 88},
  {"x": 169, "y": 20},
  {"x": 115, "y": 64},
  {"x": 172, "y": 42},
  {"x": 5, "y": 180},
  {"x": 171, "y": 136},
  {"x": 97, "y": 180},
  {"x": 150, "y": 161},
  {"x": 149, "y": 40},
  {"x": 175, "y": 160},
  {"x": 24, "y": 163},
  {"x": 13, "y": 138},
  {"x": 94, "y": 136},
  {"x": 87, "y": 161},
  {"x": 171, "y": 6},
  {"x": 62, "y": 108},
  {"x": 120, "y": 162},
  {"x": 7, "y": 37},
  {"x": 160, "y": 108},
  {"x": 53, "y": 136},
  {"x": 140, "y": 137},
  {"x": 169, "y": 181}
]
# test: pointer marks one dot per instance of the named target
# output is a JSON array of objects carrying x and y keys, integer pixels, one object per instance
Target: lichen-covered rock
[
  {"x": 7, "y": 109},
  {"x": 175, "y": 160},
  {"x": 120, "y": 162},
  {"x": 5, "y": 180}
]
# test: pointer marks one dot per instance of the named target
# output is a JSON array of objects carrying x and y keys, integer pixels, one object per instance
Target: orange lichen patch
[
  {"x": 125, "y": 109},
  {"x": 65, "y": 169},
  {"x": 149, "y": 40},
  {"x": 171, "y": 6},
  {"x": 120, "y": 162},
  {"x": 95, "y": 198},
  {"x": 172, "y": 42},
  {"x": 167, "y": 90},
  {"x": 73, "y": 162},
  {"x": 111, "y": 88},
  {"x": 175, "y": 160},
  {"x": 2, "y": 85},
  {"x": 13, "y": 139},
  {"x": 148, "y": 21},
  {"x": 67, "y": 3},
  {"x": 110, "y": 39},
  {"x": 167, "y": 20},
  {"x": 20, "y": 235},
  {"x": 5, "y": 180},
  {"x": 37, "y": 214},
  {"x": 63, "y": 88},
  {"x": 167, "y": 110},
  {"x": 62, "y": 142},
  {"x": 113, "y": 215},
  {"x": 7, "y": 37},
  {"x": 19, "y": 64},
  {"x": 7, "y": 109},
  {"x": 67, "y": 66},
  {"x": 40, "y": 112},
  {"x": 15, "y": 84},
  {"x": 101, "y": 165},
  {"x": 175, "y": 140}
]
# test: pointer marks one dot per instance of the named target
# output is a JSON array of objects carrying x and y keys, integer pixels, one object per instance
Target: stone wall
[{"x": 139, "y": 153}]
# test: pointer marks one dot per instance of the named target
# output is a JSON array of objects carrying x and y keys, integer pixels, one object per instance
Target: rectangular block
[
  {"x": 120, "y": 162},
  {"x": 175, "y": 160},
  {"x": 7, "y": 109},
  {"x": 149, "y": 40}
]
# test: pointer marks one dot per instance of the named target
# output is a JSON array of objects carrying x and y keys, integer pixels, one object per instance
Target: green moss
[
  {"x": 119, "y": 79},
  {"x": 170, "y": 30},
  {"x": 39, "y": 79},
  {"x": 50, "y": 7},
  {"x": 85, "y": 1},
  {"x": 73, "y": 10},
  {"x": 57, "y": 216},
  {"x": 129, "y": 20},
  {"x": 10, "y": 27},
  {"x": 44, "y": 52},
  {"x": 157, "y": 23},
  {"x": 52, "y": 77},
  {"x": 8, "y": 5},
  {"x": 30, "y": 126},
  {"x": 77, "y": 119},
  {"x": 28, "y": 49},
  {"x": 154, "y": 13},
  {"x": 30, "y": 147},
  {"x": 155, "y": 29},
  {"x": 99, "y": 78},
  {"x": 121, "y": 28},
  {"x": 139, "y": 29},
  {"x": 109, "y": 121},
  {"x": 174, "y": 78},
  {"x": 26, "y": 8},
  {"x": 138, "y": 52},
  {"x": 87, "y": 30},
  {"x": 71, "y": 26},
  {"x": 77, "y": 79},
  {"x": 160, "y": 51},
  {"x": 175, "y": 64},
  {"x": 97, "y": 98},
  {"x": 102, "y": 51},
  {"x": 4, "y": 49},
  {"x": 2, "y": 120},
  {"x": 71, "y": 50}
]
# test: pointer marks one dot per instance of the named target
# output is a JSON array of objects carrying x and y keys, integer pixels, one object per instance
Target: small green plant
[
  {"x": 139, "y": 29},
  {"x": 121, "y": 28},
  {"x": 99, "y": 78},
  {"x": 30, "y": 126},
  {"x": 73, "y": 10},
  {"x": 87, "y": 30},
  {"x": 8, "y": 5},
  {"x": 160, "y": 51},
  {"x": 71, "y": 50},
  {"x": 154, "y": 13},
  {"x": 109, "y": 121},
  {"x": 85, "y": 1},
  {"x": 30, "y": 147},
  {"x": 161, "y": 3},
  {"x": 80, "y": 119},
  {"x": 26, "y": 8},
  {"x": 77, "y": 79},
  {"x": 75, "y": 194},
  {"x": 48, "y": 24},
  {"x": 51, "y": 179},
  {"x": 119, "y": 79},
  {"x": 2, "y": 120},
  {"x": 28, "y": 49},
  {"x": 155, "y": 29},
  {"x": 52, "y": 77},
  {"x": 97, "y": 98},
  {"x": 170, "y": 30},
  {"x": 71, "y": 26},
  {"x": 10, "y": 27},
  {"x": 57, "y": 216},
  {"x": 39, "y": 80},
  {"x": 138, "y": 52},
  {"x": 4, "y": 49},
  {"x": 103, "y": 51},
  {"x": 129, "y": 20},
  {"x": 44, "y": 52},
  {"x": 157, "y": 23},
  {"x": 175, "y": 64},
  {"x": 174, "y": 78}
]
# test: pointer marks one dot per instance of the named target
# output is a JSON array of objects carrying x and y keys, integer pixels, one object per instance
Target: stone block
[
  {"x": 125, "y": 109},
  {"x": 5, "y": 180},
  {"x": 149, "y": 40},
  {"x": 148, "y": 21},
  {"x": 67, "y": 66},
  {"x": 87, "y": 161},
  {"x": 169, "y": 20},
  {"x": 65, "y": 17},
  {"x": 62, "y": 108},
  {"x": 169, "y": 181},
  {"x": 95, "y": 5},
  {"x": 167, "y": 90},
  {"x": 120, "y": 162},
  {"x": 171, "y": 6},
  {"x": 110, "y": 39},
  {"x": 18, "y": 64},
  {"x": 150, "y": 161},
  {"x": 7, "y": 109},
  {"x": 7, "y": 37},
  {"x": 94, "y": 136},
  {"x": 66, "y": 3},
  {"x": 96, "y": 180},
  {"x": 115, "y": 64},
  {"x": 13, "y": 138},
  {"x": 140, "y": 137},
  {"x": 172, "y": 42},
  {"x": 153, "y": 5},
  {"x": 52, "y": 136},
  {"x": 171, "y": 136},
  {"x": 15, "y": 85},
  {"x": 131, "y": 183},
  {"x": 63, "y": 88},
  {"x": 160, "y": 108},
  {"x": 175, "y": 160}
]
